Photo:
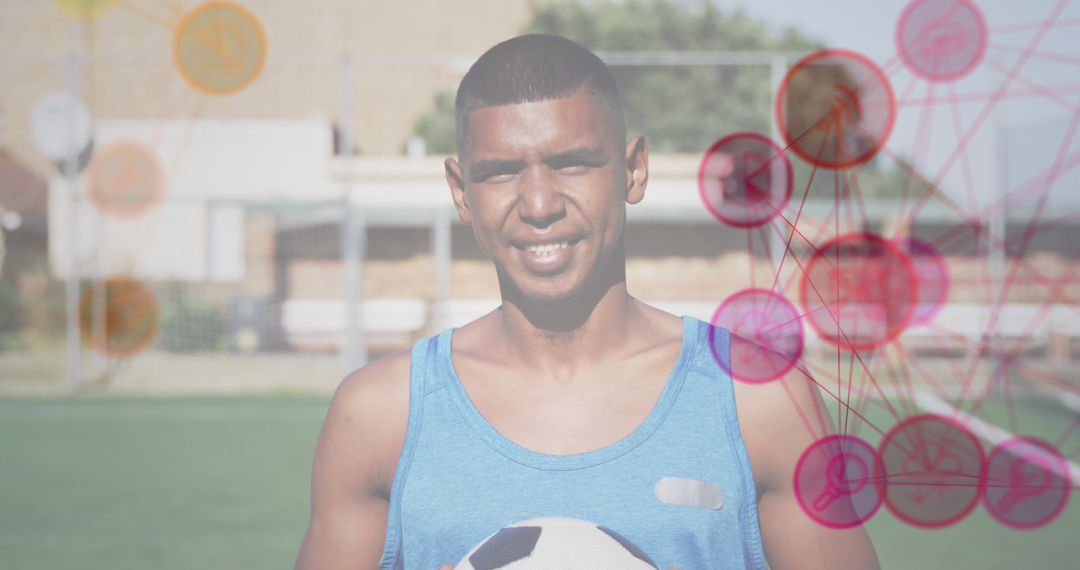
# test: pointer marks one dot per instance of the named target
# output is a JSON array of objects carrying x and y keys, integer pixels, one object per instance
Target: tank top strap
[
  {"x": 712, "y": 364},
  {"x": 422, "y": 361},
  {"x": 458, "y": 480}
]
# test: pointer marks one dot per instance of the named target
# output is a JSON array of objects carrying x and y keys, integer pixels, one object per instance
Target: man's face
[{"x": 544, "y": 185}]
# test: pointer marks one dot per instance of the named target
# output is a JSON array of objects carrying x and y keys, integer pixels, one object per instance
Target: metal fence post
[
  {"x": 71, "y": 286},
  {"x": 353, "y": 236}
]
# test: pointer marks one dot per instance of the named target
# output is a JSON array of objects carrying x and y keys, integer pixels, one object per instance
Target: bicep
[
  {"x": 784, "y": 418},
  {"x": 345, "y": 536},
  {"x": 348, "y": 515},
  {"x": 794, "y": 540}
]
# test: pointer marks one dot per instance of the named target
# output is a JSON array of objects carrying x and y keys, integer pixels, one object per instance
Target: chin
[
  {"x": 555, "y": 310},
  {"x": 552, "y": 293},
  {"x": 535, "y": 289}
]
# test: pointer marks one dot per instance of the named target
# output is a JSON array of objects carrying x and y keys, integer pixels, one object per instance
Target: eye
[
  {"x": 573, "y": 168},
  {"x": 497, "y": 175}
]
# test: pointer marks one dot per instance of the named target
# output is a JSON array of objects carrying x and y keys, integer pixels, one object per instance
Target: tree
[
  {"x": 687, "y": 108},
  {"x": 680, "y": 108},
  {"x": 437, "y": 126}
]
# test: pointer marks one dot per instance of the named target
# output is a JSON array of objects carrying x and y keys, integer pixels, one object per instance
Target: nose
[{"x": 540, "y": 204}]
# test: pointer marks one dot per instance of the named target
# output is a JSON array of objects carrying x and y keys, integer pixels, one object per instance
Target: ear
[
  {"x": 637, "y": 169},
  {"x": 455, "y": 179}
]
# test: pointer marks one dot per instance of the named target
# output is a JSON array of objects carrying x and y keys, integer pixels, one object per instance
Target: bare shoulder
[
  {"x": 354, "y": 461},
  {"x": 778, "y": 420},
  {"x": 379, "y": 379},
  {"x": 370, "y": 408}
]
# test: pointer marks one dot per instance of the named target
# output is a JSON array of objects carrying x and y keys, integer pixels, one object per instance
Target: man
[{"x": 573, "y": 398}]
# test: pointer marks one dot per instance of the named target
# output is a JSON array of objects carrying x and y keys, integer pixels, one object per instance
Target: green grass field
[
  {"x": 222, "y": 482},
  {"x": 155, "y": 483},
  {"x": 979, "y": 541}
]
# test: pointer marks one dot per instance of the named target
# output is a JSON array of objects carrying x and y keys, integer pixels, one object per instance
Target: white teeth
[{"x": 547, "y": 248}]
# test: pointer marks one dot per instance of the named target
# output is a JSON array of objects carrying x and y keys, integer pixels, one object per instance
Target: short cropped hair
[{"x": 531, "y": 68}]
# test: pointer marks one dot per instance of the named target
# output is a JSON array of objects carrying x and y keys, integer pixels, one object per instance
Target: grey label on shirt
[{"x": 689, "y": 492}]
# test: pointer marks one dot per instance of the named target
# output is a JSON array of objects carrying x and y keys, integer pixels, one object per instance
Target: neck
[{"x": 557, "y": 338}]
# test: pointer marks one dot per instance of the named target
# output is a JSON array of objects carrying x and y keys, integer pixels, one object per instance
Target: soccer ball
[{"x": 551, "y": 543}]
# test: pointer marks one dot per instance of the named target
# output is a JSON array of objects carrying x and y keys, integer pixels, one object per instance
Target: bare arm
[
  {"x": 360, "y": 439},
  {"x": 776, "y": 435}
]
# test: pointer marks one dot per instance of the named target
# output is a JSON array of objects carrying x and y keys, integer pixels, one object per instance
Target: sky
[{"x": 1018, "y": 137}]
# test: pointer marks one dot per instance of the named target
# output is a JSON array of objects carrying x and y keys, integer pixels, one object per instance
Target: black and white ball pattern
[{"x": 551, "y": 543}]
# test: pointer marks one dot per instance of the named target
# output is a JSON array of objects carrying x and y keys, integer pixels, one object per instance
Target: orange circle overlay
[
  {"x": 131, "y": 316},
  {"x": 125, "y": 179},
  {"x": 219, "y": 47}
]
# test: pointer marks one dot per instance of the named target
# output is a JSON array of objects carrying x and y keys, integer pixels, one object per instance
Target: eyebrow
[
  {"x": 591, "y": 156},
  {"x": 484, "y": 168}
]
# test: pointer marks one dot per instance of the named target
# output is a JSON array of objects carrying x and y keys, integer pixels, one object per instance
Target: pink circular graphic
[
  {"x": 859, "y": 291},
  {"x": 934, "y": 468},
  {"x": 835, "y": 108},
  {"x": 932, "y": 273},
  {"x": 744, "y": 180},
  {"x": 839, "y": 481},
  {"x": 766, "y": 335},
  {"x": 941, "y": 40},
  {"x": 1026, "y": 483}
]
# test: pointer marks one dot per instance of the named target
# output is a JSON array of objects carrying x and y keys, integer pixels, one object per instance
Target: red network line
[
  {"x": 996, "y": 344},
  {"x": 961, "y": 146},
  {"x": 1051, "y": 56},
  {"x": 982, "y": 96},
  {"x": 1032, "y": 26}
]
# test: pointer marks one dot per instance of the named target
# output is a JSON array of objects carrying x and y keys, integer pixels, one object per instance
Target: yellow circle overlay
[
  {"x": 125, "y": 179},
  {"x": 130, "y": 319},
  {"x": 219, "y": 47},
  {"x": 83, "y": 8}
]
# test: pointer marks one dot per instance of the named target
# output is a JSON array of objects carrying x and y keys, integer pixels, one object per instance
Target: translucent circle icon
[
  {"x": 934, "y": 470},
  {"x": 744, "y": 180},
  {"x": 766, "y": 335},
  {"x": 932, "y": 274},
  {"x": 835, "y": 108},
  {"x": 128, "y": 321},
  {"x": 1027, "y": 483},
  {"x": 859, "y": 291},
  {"x": 941, "y": 40},
  {"x": 60, "y": 125},
  {"x": 219, "y": 47},
  {"x": 125, "y": 179},
  {"x": 839, "y": 481}
]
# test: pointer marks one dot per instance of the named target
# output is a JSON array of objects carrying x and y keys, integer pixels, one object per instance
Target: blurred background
[{"x": 210, "y": 212}]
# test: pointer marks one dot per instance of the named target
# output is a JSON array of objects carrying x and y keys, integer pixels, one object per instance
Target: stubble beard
[{"x": 561, "y": 314}]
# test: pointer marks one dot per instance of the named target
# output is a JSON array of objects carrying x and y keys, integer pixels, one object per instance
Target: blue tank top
[{"x": 458, "y": 480}]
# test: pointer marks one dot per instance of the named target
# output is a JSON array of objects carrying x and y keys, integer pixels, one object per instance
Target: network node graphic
[
  {"x": 1027, "y": 483},
  {"x": 839, "y": 481},
  {"x": 835, "y": 108},
  {"x": 932, "y": 275},
  {"x": 766, "y": 335},
  {"x": 941, "y": 40},
  {"x": 219, "y": 47},
  {"x": 125, "y": 179},
  {"x": 60, "y": 125},
  {"x": 859, "y": 291},
  {"x": 118, "y": 316},
  {"x": 933, "y": 468},
  {"x": 745, "y": 180}
]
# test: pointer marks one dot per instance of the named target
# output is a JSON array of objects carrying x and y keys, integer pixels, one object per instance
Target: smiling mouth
[{"x": 546, "y": 248}]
